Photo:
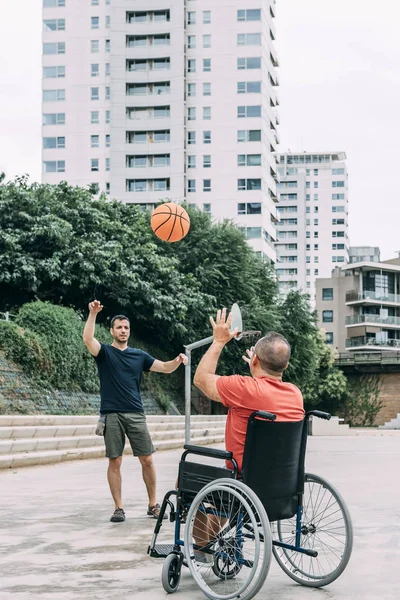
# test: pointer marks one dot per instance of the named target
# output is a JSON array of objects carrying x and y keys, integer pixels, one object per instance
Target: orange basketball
[{"x": 170, "y": 222}]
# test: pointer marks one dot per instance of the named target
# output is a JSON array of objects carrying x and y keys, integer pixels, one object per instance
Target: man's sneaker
[
  {"x": 118, "y": 516},
  {"x": 203, "y": 558},
  {"x": 154, "y": 511}
]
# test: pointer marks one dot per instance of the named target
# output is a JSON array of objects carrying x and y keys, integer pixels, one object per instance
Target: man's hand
[
  {"x": 221, "y": 327},
  {"x": 95, "y": 307},
  {"x": 249, "y": 356},
  {"x": 182, "y": 359}
]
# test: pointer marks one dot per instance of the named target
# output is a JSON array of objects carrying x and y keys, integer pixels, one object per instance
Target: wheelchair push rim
[
  {"x": 236, "y": 547},
  {"x": 325, "y": 527}
]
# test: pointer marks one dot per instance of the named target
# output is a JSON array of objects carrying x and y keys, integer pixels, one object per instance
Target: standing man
[{"x": 120, "y": 371}]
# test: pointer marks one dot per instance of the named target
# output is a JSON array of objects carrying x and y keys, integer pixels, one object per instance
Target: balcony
[
  {"x": 373, "y": 297},
  {"x": 358, "y": 342},
  {"x": 373, "y": 320}
]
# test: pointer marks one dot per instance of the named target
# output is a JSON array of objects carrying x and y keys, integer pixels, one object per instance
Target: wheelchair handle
[
  {"x": 318, "y": 413},
  {"x": 210, "y": 452},
  {"x": 263, "y": 414}
]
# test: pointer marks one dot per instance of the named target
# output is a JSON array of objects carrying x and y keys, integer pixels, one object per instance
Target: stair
[
  {"x": 28, "y": 440},
  {"x": 392, "y": 424}
]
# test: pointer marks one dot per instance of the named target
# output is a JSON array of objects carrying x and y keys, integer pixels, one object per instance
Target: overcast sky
[{"x": 340, "y": 90}]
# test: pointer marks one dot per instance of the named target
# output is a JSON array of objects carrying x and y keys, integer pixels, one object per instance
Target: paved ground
[{"x": 56, "y": 541}]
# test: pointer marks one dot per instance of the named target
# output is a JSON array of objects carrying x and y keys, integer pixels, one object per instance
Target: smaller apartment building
[{"x": 359, "y": 306}]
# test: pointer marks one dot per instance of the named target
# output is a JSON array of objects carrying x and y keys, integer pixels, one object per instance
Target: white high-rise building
[
  {"x": 155, "y": 99},
  {"x": 313, "y": 227}
]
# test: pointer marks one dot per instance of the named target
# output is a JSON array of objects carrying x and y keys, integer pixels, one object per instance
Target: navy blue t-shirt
[{"x": 120, "y": 373}]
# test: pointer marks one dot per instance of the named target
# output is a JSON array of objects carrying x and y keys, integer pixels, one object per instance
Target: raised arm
[
  {"x": 90, "y": 341},
  {"x": 169, "y": 366}
]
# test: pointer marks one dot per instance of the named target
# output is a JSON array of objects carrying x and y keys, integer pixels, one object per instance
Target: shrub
[{"x": 27, "y": 349}]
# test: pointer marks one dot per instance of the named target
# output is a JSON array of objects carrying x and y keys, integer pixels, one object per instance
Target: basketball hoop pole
[{"x": 236, "y": 323}]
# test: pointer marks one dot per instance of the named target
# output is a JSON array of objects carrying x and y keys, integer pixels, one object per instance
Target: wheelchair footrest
[{"x": 161, "y": 550}]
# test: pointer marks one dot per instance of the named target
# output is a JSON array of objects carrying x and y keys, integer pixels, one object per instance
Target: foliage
[
  {"x": 27, "y": 349},
  {"x": 362, "y": 402}
]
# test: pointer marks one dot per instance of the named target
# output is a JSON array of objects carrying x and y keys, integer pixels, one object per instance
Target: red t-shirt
[{"x": 243, "y": 395}]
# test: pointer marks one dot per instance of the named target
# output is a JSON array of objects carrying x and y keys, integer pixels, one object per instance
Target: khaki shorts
[{"x": 131, "y": 425}]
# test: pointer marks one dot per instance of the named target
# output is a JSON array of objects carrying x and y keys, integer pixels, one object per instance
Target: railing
[
  {"x": 372, "y": 319},
  {"x": 367, "y": 295},
  {"x": 6, "y": 316},
  {"x": 366, "y": 341}
]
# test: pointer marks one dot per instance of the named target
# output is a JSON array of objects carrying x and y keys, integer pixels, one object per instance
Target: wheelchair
[{"x": 232, "y": 527}]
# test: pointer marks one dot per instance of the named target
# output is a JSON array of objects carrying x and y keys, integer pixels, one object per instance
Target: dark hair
[
  {"x": 119, "y": 318},
  {"x": 273, "y": 352}
]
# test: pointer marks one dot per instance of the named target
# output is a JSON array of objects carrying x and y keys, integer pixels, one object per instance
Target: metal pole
[{"x": 188, "y": 384}]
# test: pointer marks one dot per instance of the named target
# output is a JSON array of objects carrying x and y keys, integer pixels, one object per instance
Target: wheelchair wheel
[
  {"x": 171, "y": 573},
  {"x": 237, "y": 561},
  {"x": 326, "y": 527}
]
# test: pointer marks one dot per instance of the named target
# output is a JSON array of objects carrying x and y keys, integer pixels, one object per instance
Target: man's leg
[
  {"x": 149, "y": 477},
  {"x": 115, "y": 480}
]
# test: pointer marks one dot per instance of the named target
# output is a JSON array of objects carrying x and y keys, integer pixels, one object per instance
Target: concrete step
[
  {"x": 39, "y": 444},
  {"x": 28, "y": 459},
  {"x": 62, "y": 420},
  {"x": 392, "y": 424}
]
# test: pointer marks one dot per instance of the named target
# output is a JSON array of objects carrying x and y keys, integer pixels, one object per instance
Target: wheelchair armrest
[
  {"x": 318, "y": 413},
  {"x": 210, "y": 452}
]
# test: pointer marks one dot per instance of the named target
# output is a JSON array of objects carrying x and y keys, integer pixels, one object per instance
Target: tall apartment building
[
  {"x": 158, "y": 99},
  {"x": 312, "y": 231}
]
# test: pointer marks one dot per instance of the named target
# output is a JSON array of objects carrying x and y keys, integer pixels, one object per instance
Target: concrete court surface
[{"x": 56, "y": 541}]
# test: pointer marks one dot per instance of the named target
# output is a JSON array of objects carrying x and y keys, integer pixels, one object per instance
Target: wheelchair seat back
[
  {"x": 194, "y": 476},
  {"x": 273, "y": 464}
]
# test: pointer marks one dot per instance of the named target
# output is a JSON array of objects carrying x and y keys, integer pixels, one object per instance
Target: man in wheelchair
[{"x": 263, "y": 503}]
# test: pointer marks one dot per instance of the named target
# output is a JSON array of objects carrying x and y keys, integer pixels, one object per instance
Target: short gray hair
[{"x": 273, "y": 352}]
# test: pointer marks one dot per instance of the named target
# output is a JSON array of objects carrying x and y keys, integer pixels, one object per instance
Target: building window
[
  {"x": 308, "y": 209},
  {"x": 315, "y": 234},
  {"x": 191, "y": 41},
  {"x": 94, "y": 164},
  {"x": 249, "y": 39},
  {"x": 249, "y": 184},
  {"x": 327, "y": 293},
  {"x": 191, "y": 18},
  {"x": 329, "y": 337},
  {"x": 108, "y": 70},
  {"x": 94, "y": 46},
  {"x": 94, "y": 117},
  {"x": 337, "y": 184},
  {"x": 107, "y": 187},
  {"x": 94, "y": 93},
  {"x": 191, "y": 162},
  {"x": 53, "y": 95},
  {"x": 108, "y": 140},
  {"x": 316, "y": 222},
  {"x": 249, "y": 87},
  {"x": 53, "y": 142},
  {"x": 207, "y": 89},
  {"x": 206, "y": 185},
  {"x": 53, "y": 119},
  {"x": 108, "y": 46},
  {"x": 54, "y": 25},
  {"x": 107, "y": 164},
  {"x": 94, "y": 70},
  {"x": 191, "y": 114},
  {"x": 337, "y": 209},
  {"x": 249, "y": 160},
  {"x": 94, "y": 141},
  {"x": 95, "y": 22},
  {"x": 206, "y": 17},
  {"x": 315, "y": 271},
  {"x": 327, "y": 316},
  {"x": 315, "y": 172},
  {"x": 191, "y": 88},
  {"x": 249, "y": 63},
  {"x": 54, "y": 48},
  {"x": 249, "y": 15},
  {"x": 206, "y": 64},
  {"x": 249, "y": 208},
  {"x": 108, "y": 92},
  {"x": 248, "y": 111},
  {"x": 191, "y": 137},
  {"x": 53, "y": 3},
  {"x": 191, "y": 65},
  {"x": 308, "y": 185},
  {"x": 53, "y": 72},
  {"x": 206, "y": 137},
  {"x": 207, "y": 208},
  {"x": 206, "y": 41},
  {"x": 108, "y": 21},
  {"x": 95, "y": 2},
  {"x": 337, "y": 171},
  {"x": 315, "y": 184},
  {"x": 191, "y": 185},
  {"x": 337, "y": 196},
  {"x": 250, "y": 135},
  {"x": 206, "y": 113},
  {"x": 54, "y": 166},
  {"x": 108, "y": 116},
  {"x": 206, "y": 161}
]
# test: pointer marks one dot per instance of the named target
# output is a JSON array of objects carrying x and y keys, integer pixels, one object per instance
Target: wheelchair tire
[
  {"x": 326, "y": 528},
  {"x": 242, "y": 536},
  {"x": 171, "y": 573}
]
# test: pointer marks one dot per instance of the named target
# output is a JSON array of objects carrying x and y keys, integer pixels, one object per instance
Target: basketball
[{"x": 170, "y": 222}]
